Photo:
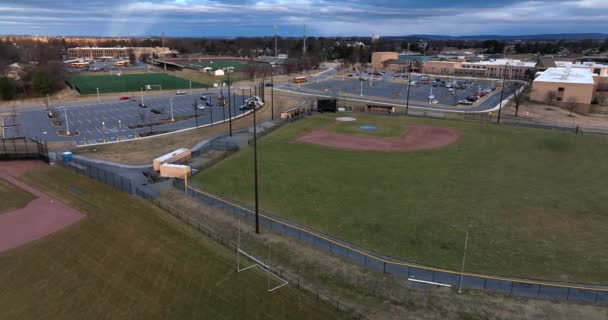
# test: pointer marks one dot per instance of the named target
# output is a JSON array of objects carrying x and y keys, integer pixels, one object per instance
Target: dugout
[
  {"x": 327, "y": 105},
  {"x": 181, "y": 155},
  {"x": 292, "y": 113},
  {"x": 379, "y": 108}
]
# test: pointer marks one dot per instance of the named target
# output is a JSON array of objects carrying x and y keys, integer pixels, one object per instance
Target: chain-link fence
[
  {"x": 411, "y": 271},
  {"x": 294, "y": 280},
  {"x": 96, "y": 172},
  {"x": 23, "y": 149}
]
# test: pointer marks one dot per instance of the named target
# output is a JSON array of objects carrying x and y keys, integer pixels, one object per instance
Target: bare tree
[
  {"x": 519, "y": 97},
  {"x": 550, "y": 97},
  {"x": 571, "y": 104}
]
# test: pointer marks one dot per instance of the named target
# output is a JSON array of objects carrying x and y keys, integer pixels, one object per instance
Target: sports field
[
  {"x": 130, "y": 82},
  {"x": 532, "y": 201},
  {"x": 220, "y": 64},
  {"x": 129, "y": 260},
  {"x": 12, "y": 197}
]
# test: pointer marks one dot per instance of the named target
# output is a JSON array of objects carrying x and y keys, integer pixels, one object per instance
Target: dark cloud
[{"x": 323, "y": 17}]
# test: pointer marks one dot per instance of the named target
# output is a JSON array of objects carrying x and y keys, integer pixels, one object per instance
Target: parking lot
[
  {"x": 388, "y": 88},
  {"x": 125, "y": 119}
]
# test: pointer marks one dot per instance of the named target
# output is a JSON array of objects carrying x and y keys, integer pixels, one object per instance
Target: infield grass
[
  {"x": 88, "y": 84},
  {"x": 533, "y": 201},
  {"x": 129, "y": 260},
  {"x": 12, "y": 197}
]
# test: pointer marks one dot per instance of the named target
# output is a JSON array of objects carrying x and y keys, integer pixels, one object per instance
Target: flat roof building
[
  {"x": 565, "y": 86},
  {"x": 116, "y": 52}
]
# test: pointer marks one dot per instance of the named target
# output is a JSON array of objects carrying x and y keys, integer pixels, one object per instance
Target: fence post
[{"x": 384, "y": 266}]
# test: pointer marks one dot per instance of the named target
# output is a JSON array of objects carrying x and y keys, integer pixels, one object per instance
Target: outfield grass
[
  {"x": 129, "y": 260},
  {"x": 13, "y": 197},
  {"x": 533, "y": 201},
  {"x": 88, "y": 84}
]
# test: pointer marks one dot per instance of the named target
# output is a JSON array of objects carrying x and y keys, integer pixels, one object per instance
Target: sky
[{"x": 230, "y": 18}]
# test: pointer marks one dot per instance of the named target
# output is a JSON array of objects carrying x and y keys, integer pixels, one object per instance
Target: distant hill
[{"x": 557, "y": 36}]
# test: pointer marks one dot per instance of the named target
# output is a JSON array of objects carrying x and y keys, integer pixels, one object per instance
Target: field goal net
[
  {"x": 153, "y": 87},
  {"x": 257, "y": 263}
]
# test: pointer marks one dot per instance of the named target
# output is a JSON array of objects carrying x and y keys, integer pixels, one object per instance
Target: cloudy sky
[{"x": 322, "y": 17}]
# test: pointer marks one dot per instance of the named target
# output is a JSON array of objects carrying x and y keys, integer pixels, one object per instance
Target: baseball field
[
  {"x": 88, "y": 84},
  {"x": 12, "y": 197},
  {"x": 532, "y": 201},
  {"x": 126, "y": 259}
]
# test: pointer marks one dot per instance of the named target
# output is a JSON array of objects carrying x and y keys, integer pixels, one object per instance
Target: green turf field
[
  {"x": 88, "y": 84},
  {"x": 220, "y": 64},
  {"x": 129, "y": 260},
  {"x": 533, "y": 201},
  {"x": 13, "y": 197}
]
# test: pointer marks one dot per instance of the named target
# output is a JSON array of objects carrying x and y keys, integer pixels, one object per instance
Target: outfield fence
[{"x": 513, "y": 286}]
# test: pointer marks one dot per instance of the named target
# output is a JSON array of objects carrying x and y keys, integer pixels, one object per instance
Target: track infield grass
[
  {"x": 88, "y": 84},
  {"x": 129, "y": 260},
  {"x": 13, "y": 197},
  {"x": 533, "y": 201}
]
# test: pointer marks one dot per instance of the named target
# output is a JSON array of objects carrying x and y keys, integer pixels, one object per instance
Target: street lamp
[
  {"x": 171, "y": 104},
  {"x": 255, "y": 171},
  {"x": 98, "y": 100},
  {"x": 409, "y": 83},
  {"x": 67, "y": 123},
  {"x": 229, "y": 106}
]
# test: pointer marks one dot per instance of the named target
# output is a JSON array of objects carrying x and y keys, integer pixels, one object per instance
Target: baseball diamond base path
[
  {"x": 417, "y": 137},
  {"x": 41, "y": 217}
]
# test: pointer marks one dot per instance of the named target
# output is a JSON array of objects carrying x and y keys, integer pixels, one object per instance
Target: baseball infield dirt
[
  {"x": 417, "y": 137},
  {"x": 41, "y": 217}
]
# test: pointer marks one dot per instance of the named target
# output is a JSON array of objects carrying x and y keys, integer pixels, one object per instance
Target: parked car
[
  {"x": 180, "y": 93},
  {"x": 209, "y": 103},
  {"x": 269, "y": 84},
  {"x": 124, "y": 98},
  {"x": 472, "y": 98},
  {"x": 465, "y": 102},
  {"x": 203, "y": 97},
  {"x": 200, "y": 107}
]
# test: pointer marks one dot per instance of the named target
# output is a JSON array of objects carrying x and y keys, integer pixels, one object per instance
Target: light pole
[
  {"x": 98, "y": 100},
  {"x": 171, "y": 105},
  {"x": 195, "y": 112},
  {"x": 229, "y": 106},
  {"x": 361, "y": 82},
  {"x": 119, "y": 124},
  {"x": 272, "y": 91},
  {"x": 67, "y": 122},
  {"x": 276, "y": 48},
  {"x": 502, "y": 92},
  {"x": 409, "y": 83},
  {"x": 464, "y": 255},
  {"x": 142, "y": 96},
  {"x": 255, "y": 172}
]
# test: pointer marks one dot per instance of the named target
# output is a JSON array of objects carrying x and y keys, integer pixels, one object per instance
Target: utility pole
[
  {"x": 142, "y": 96},
  {"x": 276, "y": 47},
  {"x": 171, "y": 103},
  {"x": 67, "y": 123},
  {"x": 195, "y": 112},
  {"x": 502, "y": 92},
  {"x": 98, "y": 100},
  {"x": 304, "y": 46}
]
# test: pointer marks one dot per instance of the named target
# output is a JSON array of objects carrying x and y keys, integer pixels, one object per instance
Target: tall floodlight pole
[
  {"x": 98, "y": 100},
  {"x": 304, "y": 44},
  {"x": 142, "y": 96},
  {"x": 229, "y": 106},
  {"x": 276, "y": 47},
  {"x": 502, "y": 92},
  {"x": 171, "y": 103},
  {"x": 163, "y": 51},
  {"x": 255, "y": 172},
  {"x": 409, "y": 83},
  {"x": 272, "y": 91}
]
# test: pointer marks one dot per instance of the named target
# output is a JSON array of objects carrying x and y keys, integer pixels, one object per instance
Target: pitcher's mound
[{"x": 417, "y": 137}]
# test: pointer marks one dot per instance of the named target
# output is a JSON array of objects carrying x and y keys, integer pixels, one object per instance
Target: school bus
[{"x": 299, "y": 79}]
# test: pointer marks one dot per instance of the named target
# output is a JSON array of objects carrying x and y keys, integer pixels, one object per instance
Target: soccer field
[
  {"x": 220, "y": 64},
  {"x": 532, "y": 201},
  {"x": 129, "y": 260},
  {"x": 129, "y": 82}
]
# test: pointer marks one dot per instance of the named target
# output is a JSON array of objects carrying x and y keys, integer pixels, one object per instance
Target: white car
[
  {"x": 465, "y": 102},
  {"x": 180, "y": 93},
  {"x": 200, "y": 107}
]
